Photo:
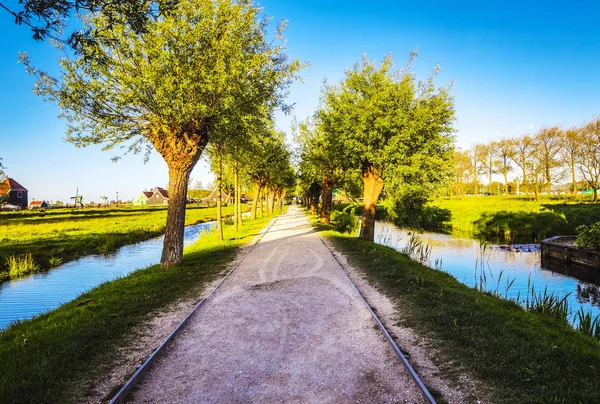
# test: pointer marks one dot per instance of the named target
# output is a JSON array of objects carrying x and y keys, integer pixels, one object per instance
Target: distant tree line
[{"x": 537, "y": 162}]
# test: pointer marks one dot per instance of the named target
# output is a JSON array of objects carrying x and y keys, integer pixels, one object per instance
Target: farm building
[
  {"x": 160, "y": 197},
  {"x": 211, "y": 199},
  {"x": 142, "y": 200},
  {"x": 13, "y": 193},
  {"x": 38, "y": 204}
]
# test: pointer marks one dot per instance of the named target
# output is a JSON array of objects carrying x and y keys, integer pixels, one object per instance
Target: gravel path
[{"x": 287, "y": 326}]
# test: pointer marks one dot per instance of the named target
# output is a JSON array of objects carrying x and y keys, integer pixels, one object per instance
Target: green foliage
[
  {"x": 589, "y": 236},
  {"x": 344, "y": 222},
  {"x": 517, "y": 219},
  {"x": 203, "y": 62},
  {"x": 54, "y": 261},
  {"x": 20, "y": 266},
  {"x": 384, "y": 118},
  {"x": 409, "y": 209},
  {"x": 47, "y": 18},
  {"x": 586, "y": 324}
]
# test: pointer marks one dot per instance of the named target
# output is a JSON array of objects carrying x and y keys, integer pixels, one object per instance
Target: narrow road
[{"x": 287, "y": 326}]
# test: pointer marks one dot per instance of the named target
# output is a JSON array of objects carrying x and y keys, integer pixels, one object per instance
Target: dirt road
[{"x": 287, "y": 326}]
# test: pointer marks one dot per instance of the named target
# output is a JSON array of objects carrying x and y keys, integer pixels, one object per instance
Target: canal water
[
  {"x": 470, "y": 262},
  {"x": 35, "y": 294}
]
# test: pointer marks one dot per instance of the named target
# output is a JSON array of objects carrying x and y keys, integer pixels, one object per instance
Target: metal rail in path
[
  {"x": 122, "y": 395},
  {"x": 415, "y": 377}
]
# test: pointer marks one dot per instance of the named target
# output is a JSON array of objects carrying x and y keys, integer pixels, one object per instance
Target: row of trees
[
  {"x": 539, "y": 161},
  {"x": 196, "y": 74},
  {"x": 383, "y": 126}
]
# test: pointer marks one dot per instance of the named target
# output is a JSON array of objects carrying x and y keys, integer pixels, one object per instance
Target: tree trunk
[
  {"x": 490, "y": 186},
  {"x": 219, "y": 193},
  {"x": 239, "y": 207},
  {"x": 505, "y": 184},
  {"x": 236, "y": 199},
  {"x": 271, "y": 203},
  {"x": 278, "y": 200},
  {"x": 548, "y": 179},
  {"x": 255, "y": 201},
  {"x": 327, "y": 196},
  {"x": 373, "y": 184},
  {"x": 574, "y": 185},
  {"x": 172, "y": 252},
  {"x": 313, "y": 201},
  {"x": 595, "y": 195}
]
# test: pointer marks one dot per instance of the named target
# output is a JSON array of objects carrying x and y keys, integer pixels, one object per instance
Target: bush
[
  {"x": 409, "y": 209},
  {"x": 344, "y": 222},
  {"x": 589, "y": 236}
]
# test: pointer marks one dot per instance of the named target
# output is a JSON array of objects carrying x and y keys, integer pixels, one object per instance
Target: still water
[
  {"x": 462, "y": 258},
  {"x": 27, "y": 297}
]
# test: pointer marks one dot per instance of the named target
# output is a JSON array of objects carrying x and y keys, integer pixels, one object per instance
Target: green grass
[
  {"x": 57, "y": 236},
  {"x": 521, "y": 356},
  {"x": 41, "y": 358},
  {"x": 518, "y": 219}
]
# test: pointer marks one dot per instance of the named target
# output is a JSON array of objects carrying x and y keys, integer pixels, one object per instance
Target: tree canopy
[
  {"x": 203, "y": 65},
  {"x": 397, "y": 130}
]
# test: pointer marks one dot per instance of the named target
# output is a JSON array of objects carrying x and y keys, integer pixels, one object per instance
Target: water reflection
[
  {"x": 26, "y": 297},
  {"x": 465, "y": 259}
]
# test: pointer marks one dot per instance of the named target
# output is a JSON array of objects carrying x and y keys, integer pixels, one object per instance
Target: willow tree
[
  {"x": 168, "y": 86},
  {"x": 320, "y": 150},
  {"x": 395, "y": 129},
  {"x": 268, "y": 154}
]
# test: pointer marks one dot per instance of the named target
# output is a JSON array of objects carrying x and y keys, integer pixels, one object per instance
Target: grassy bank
[
  {"x": 521, "y": 356},
  {"x": 42, "y": 357},
  {"x": 56, "y": 236},
  {"x": 518, "y": 219}
]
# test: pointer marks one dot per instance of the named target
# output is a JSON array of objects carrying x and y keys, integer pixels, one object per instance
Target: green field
[
  {"x": 517, "y": 219},
  {"x": 57, "y": 236},
  {"x": 520, "y": 356},
  {"x": 45, "y": 358}
]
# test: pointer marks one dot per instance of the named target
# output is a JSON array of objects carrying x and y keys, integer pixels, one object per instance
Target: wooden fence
[{"x": 562, "y": 248}]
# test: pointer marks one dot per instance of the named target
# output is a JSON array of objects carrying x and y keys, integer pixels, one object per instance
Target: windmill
[{"x": 77, "y": 199}]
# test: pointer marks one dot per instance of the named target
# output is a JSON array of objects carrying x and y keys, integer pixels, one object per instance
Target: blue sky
[{"x": 516, "y": 66}]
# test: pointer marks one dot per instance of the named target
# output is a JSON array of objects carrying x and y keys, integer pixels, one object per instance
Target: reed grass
[
  {"x": 521, "y": 356},
  {"x": 21, "y": 266}
]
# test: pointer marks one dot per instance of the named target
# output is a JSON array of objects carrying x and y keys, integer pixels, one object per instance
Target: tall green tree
[
  {"x": 268, "y": 157},
  {"x": 2, "y": 168},
  {"x": 524, "y": 147},
  {"x": 320, "y": 152},
  {"x": 489, "y": 161},
  {"x": 572, "y": 142},
  {"x": 506, "y": 153},
  {"x": 169, "y": 86},
  {"x": 547, "y": 147},
  {"x": 395, "y": 129},
  {"x": 589, "y": 160}
]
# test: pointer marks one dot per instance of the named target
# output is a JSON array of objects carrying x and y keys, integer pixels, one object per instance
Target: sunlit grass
[
  {"x": 62, "y": 235},
  {"x": 518, "y": 219}
]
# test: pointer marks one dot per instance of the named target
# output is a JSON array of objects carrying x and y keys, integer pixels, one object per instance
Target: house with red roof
[
  {"x": 142, "y": 200},
  {"x": 160, "y": 197},
  {"x": 38, "y": 204},
  {"x": 13, "y": 193}
]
